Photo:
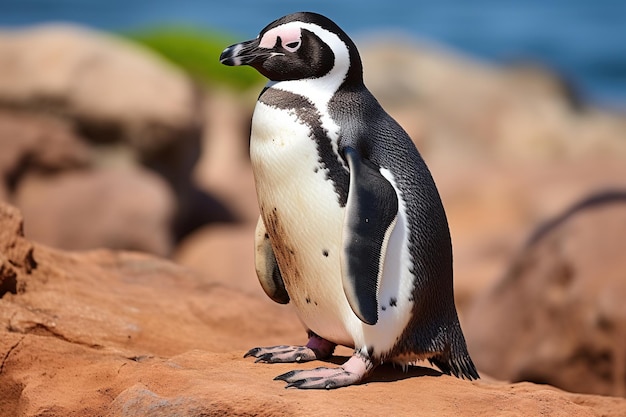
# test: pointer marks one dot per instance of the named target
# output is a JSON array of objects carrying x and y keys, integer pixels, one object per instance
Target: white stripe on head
[{"x": 318, "y": 90}]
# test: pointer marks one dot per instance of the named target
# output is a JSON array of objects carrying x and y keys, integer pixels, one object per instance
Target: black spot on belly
[
  {"x": 383, "y": 308},
  {"x": 393, "y": 302},
  {"x": 308, "y": 300},
  {"x": 325, "y": 252},
  {"x": 306, "y": 111}
]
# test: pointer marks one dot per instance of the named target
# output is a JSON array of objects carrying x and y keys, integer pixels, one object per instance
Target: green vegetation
[{"x": 197, "y": 51}]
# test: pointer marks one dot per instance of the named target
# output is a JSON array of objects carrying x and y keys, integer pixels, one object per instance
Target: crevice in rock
[
  {"x": 41, "y": 329},
  {"x": 13, "y": 177},
  {"x": 6, "y": 356},
  {"x": 8, "y": 280},
  {"x": 29, "y": 261},
  {"x": 99, "y": 131}
]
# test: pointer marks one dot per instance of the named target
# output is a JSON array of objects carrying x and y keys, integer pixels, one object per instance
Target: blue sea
[{"x": 583, "y": 40}]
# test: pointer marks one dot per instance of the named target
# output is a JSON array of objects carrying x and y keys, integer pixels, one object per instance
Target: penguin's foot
[
  {"x": 316, "y": 348},
  {"x": 352, "y": 372}
]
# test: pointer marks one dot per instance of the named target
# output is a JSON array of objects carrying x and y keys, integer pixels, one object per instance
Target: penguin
[{"x": 352, "y": 230}]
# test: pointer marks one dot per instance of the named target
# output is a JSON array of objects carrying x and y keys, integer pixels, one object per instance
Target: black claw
[
  {"x": 285, "y": 377},
  {"x": 266, "y": 357},
  {"x": 252, "y": 352},
  {"x": 295, "y": 384},
  {"x": 301, "y": 384}
]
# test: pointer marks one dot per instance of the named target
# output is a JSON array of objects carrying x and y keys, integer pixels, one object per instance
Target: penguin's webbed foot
[
  {"x": 316, "y": 348},
  {"x": 352, "y": 372}
]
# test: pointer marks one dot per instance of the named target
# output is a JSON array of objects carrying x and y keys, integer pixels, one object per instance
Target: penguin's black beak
[{"x": 244, "y": 53}]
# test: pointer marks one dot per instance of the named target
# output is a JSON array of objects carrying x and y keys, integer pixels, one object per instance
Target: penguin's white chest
[{"x": 304, "y": 219}]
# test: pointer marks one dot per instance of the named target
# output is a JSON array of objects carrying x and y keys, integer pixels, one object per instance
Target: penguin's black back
[{"x": 434, "y": 326}]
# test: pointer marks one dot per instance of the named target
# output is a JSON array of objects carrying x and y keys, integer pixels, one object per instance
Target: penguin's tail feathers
[
  {"x": 454, "y": 358},
  {"x": 459, "y": 366}
]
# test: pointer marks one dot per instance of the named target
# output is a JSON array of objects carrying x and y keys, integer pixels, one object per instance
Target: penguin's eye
[{"x": 292, "y": 46}]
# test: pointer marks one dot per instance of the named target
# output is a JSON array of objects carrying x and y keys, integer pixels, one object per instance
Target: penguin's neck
[{"x": 317, "y": 90}]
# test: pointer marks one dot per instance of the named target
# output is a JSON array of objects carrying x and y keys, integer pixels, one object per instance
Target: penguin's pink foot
[
  {"x": 316, "y": 348},
  {"x": 352, "y": 372}
]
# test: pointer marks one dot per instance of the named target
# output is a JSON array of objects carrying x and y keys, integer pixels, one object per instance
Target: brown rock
[
  {"x": 225, "y": 253},
  {"x": 84, "y": 316},
  {"x": 111, "y": 88},
  {"x": 125, "y": 334},
  {"x": 119, "y": 209},
  {"x": 456, "y": 105},
  {"x": 37, "y": 143},
  {"x": 492, "y": 207},
  {"x": 224, "y": 168},
  {"x": 130, "y": 105},
  {"x": 16, "y": 253},
  {"x": 558, "y": 316}
]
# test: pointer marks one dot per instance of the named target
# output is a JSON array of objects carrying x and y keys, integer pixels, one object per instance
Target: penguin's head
[{"x": 299, "y": 46}]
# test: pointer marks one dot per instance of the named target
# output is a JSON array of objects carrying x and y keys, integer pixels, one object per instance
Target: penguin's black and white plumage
[{"x": 352, "y": 229}]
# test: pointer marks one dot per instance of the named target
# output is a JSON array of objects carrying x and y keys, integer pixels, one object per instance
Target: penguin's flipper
[
  {"x": 371, "y": 213},
  {"x": 266, "y": 266}
]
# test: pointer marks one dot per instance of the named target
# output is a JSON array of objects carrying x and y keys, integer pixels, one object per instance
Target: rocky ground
[
  {"x": 118, "y": 161},
  {"x": 105, "y": 333}
]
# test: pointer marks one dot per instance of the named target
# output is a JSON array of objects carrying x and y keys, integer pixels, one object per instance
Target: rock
[
  {"x": 88, "y": 209},
  {"x": 37, "y": 143},
  {"x": 492, "y": 207},
  {"x": 126, "y": 334},
  {"x": 16, "y": 253},
  {"x": 457, "y": 105},
  {"x": 130, "y": 106},
  {"x": 558, "y": 316},
  {"x": 225, "y": 253},
  {"x": 111, "y": 88},
  {"x": 224, "y": 169}
]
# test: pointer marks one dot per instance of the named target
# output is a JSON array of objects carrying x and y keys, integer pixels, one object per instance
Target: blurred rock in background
[
  {"x": 558, "y": 315},
  {"x": 100, "y": 104}
]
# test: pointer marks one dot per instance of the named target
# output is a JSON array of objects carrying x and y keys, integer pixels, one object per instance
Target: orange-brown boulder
[{"x": 558, "y": 316}]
